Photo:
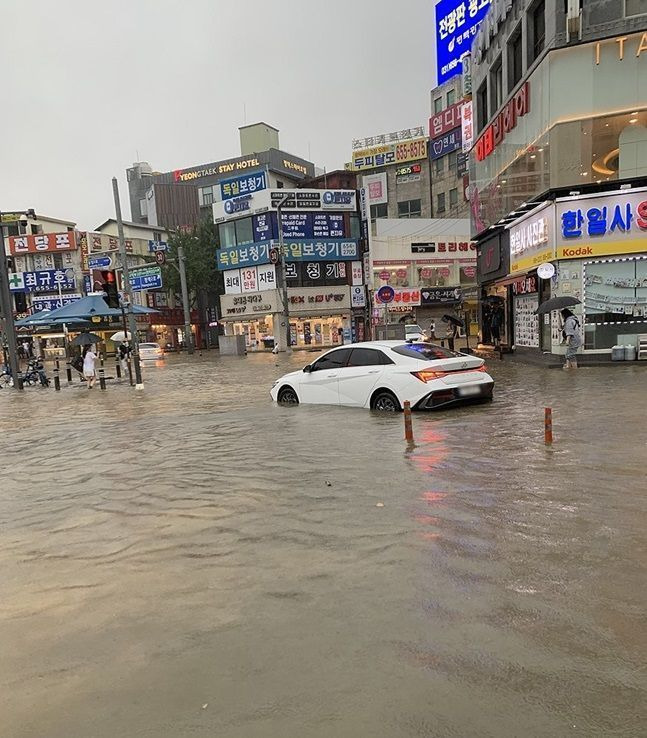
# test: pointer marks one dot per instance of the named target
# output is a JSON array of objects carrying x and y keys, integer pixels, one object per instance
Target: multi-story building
[
  {"x": 323, "y": 269},
  {"x": 558, "y": 167},
  {"x": 179, "y": 198}
]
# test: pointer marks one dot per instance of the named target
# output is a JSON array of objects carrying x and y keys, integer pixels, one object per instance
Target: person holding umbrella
[
  {"x": 571, "y": 334},
  {"x": 89, "y": 372}
]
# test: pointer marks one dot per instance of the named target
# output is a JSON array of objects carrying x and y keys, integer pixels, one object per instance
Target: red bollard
[
  {"x": 548, "y": 426},
  {"x": 408, "y": 425}
]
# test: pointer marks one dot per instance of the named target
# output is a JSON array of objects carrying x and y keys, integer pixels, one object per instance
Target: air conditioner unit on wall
[{"x": 573, "y": 20}]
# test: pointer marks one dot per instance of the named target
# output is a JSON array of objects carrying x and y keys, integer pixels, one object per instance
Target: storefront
[{"x": 492, "y": 268}]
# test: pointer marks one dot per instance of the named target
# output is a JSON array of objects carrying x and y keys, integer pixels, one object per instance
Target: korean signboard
[
  {"x": 250, "y": 279},
  {"x": 602, "y": 225},
  {"x": 467, "y": 126},
  {"x": 440, "y": 295},
  {"x": 49, "y": 302},
  {"x": 38, "y": 242},
  {"x": 525, "y": 286},
  {"x": 298, "y": 250},
  {"x": 457, "y": 22},
  {"x": 532, "y": 240},
  {"x": 358, "y": 296},
  {"x": 405, "y": 134},
  {"x": 47, "y": 280},
  {"x": 243, "y": 185},
  {"x": 329, "y": 272},
  {"x": 376, "y": 188},
  {"x": 252, "y": 305},
  {"x": 145, "y": 278},
  {"x": 389, "y": 153},
  {"x": 506, "y": 120},
  {"x": 401, "y": 297},
  {"x": 446, "y": 120},
  {"x": 315, "y": 300},
  {"x": 445, "y": 144},
  {"x": 312, "y": 225}
]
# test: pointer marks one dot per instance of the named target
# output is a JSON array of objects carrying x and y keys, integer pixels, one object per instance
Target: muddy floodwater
[{"x": 192, "y": 560}]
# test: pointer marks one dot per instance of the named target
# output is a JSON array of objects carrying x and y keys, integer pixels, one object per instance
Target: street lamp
[{"x": 284, "y": 281}]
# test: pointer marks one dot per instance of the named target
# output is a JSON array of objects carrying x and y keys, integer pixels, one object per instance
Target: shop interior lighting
[
  {"x": 533, "y": 156},
  {"x": 633, "y": 120}
]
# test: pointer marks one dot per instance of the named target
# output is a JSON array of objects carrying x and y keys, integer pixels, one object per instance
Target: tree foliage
[{"x": 202, "y": 276}]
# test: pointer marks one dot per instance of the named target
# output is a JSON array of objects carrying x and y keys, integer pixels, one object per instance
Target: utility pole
[
  {"x": 132, "y": 327},
  {"x": 188, "y": 336},
  {"x": 7, "y": 312},
  {"x": 284, "y": 280}
]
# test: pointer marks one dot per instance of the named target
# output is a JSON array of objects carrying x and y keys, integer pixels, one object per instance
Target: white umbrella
[{"x": 120, "y": 337}]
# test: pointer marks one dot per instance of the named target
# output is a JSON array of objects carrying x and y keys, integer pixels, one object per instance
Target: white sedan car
[
  {"x": 413, "y": 332},
  {"x": 381, "y": 375},
  {"x": 150, "y": 351}
]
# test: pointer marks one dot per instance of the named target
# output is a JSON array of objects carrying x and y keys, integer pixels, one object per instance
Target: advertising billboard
[{"x": 457, "y": 22}]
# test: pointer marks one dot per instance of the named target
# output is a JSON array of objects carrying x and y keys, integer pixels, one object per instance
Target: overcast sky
[{"x": 89, "y": 86}]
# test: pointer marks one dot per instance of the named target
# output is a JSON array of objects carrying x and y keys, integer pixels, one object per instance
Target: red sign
[
  {"x": 401, "y": 297},
  {"x": 505, "y": 121},
  {"x": 444, "y": 271},
  {"x": 37, "y": 243},
  {"x": 525, "y": 285},
  {"x": 444, "y": 247},
  {"x": 445, "y": 120},
  {"x": 469, "y": 271},
  {"x": 401, "y": 274},
  {"x": 425, "y": 273},
  {"x": 385, "y": 275}
]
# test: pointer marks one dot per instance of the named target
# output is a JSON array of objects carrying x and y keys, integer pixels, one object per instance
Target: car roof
[{"x": 374, "y": 344}]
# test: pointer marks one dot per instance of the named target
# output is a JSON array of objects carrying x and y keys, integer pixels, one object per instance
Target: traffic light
[{"x": 110, "y": 288}]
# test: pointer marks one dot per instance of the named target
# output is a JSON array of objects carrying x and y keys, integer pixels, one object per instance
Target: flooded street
[{"x": 193, "y": 560}]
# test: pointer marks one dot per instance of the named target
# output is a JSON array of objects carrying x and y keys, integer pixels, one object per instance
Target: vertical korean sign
[{"x": 457, "y": 23}]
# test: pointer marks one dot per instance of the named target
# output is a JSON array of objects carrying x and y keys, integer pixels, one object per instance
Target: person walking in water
[
  {"x": 571, "y": 334},
  {"x": 89, "y": 372}
]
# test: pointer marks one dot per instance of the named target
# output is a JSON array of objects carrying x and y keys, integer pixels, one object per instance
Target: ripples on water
[{"x": 181, "y": 547}]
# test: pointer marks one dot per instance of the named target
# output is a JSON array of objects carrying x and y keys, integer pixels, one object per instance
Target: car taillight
[
  {"x": 482, "y": 369},
  {"x": 427, "y": 375}
]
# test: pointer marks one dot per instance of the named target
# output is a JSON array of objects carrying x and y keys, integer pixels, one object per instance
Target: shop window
[
  {"x": 244, "y": 231},
  {"x": 515, "y": 59},
  {"x": 332, "y": 360},
  {"x": 409, "y": 209},
  {"x": 440, "y": 202},
  {"x": 379, "y": 211},
  {"x": 439, "y": 165},
  {"x": 453, "y": 198},
  {"x": 635, "y": 7},
  {"x": 537, "y": 30},
  {"x": 205, "y": 196},
  {"x": 481, "y": 106},
  {"x": 451, "y": 97},
  {"x": 451, "y": 162},
  {"x": 438, "y": 105},
  {"x": 143, "y": 207},
  {"x": 496, "y": 85},
  {"x": 368, "y": 357}
]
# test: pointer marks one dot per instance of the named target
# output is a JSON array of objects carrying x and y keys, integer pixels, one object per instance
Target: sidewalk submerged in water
[{"x": 552, "y": 361}]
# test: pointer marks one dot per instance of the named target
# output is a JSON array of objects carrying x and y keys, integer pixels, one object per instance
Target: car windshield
[
  {"x": 413, "y": 329},
  {"x": 148, "y": 345},
  {"x": 424, "y": 351}
]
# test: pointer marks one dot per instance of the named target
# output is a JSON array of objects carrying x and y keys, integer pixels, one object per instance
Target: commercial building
[
  {"x": 324, "y": 272},
  {"x": 558, "y": 167},
  {"x": 177, "y": 199},
  {"x": 431, "y": 266}
]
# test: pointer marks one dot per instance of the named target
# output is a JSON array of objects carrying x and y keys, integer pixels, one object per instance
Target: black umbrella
[
  {"x": 86, "y": 339},
  {"x": 557, "y": 303},
  {"x": 453, "y": 320}
]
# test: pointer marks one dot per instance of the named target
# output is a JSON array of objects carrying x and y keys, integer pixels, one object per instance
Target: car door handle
[
  {"x": 332, "y": 375},
  {"x": 374, "y": 371}
]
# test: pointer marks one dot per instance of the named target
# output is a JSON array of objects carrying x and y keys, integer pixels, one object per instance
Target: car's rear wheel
[
  {"x": 385, "y": 402},
  {"x": 287, "y": 396}
]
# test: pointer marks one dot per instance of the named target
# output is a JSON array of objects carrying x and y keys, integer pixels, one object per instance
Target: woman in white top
[{"x": 89, "y": 357}]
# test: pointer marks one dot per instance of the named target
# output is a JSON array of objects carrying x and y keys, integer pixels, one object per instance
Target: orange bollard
[
  {"x": 408, "y": 425},
  {"x": 548, "y": 426}
]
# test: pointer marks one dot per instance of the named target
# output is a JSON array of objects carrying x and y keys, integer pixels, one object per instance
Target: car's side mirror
[{"x": 307, "y": 368}]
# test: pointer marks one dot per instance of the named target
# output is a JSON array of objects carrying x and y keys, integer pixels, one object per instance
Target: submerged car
[
  {"x": 150, "y": 351},
  {"x": 382, "y": 375}
]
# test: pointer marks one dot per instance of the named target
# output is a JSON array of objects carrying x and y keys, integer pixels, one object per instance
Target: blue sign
[
  {"x": 154, "y": 246},
  {"x": 295, "y": 250},
  {"x": 145, "y": 279},
  {"x": 386, "y": 294},
  {"x": 238, "y": 205},
  {"x": 245, "y": 185},
  {"x": 99, "y": 262},
  {"x": 457, "y": 22},
  {"x": 87, "y": 284},
  {"x": 264, "y": 227},
  {"x": 299, "y": 225},
  {"x": 445, "y": 144},
  {"x": 46, "y": 280}
]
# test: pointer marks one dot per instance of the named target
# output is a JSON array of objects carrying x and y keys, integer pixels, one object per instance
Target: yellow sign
[
  {"x": 397, "y": 152},
  {"x": 600, "y": 248},
  {"x": 11, "y": 217},
  {"x": 533, "y": 261}
]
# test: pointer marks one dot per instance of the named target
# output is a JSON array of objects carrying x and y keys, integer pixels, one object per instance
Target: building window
[
  {"x": 244, "y": 231},
  {"x": 481, "y": 106},
  {"x": 439, "y": 165},
  {"x": 496, "y": 85},
  {"x": 143, "y": 207},
  {"x": 205, "y": 196},
  {"x": 515, "y": 60},
  {"x": 279, "y": 184},
  {"x": 537, "y": 30},
  {"x": 58, "y": 261},
  {"x": 635, "y": 7},
  {"x": 438, "y": 104},
  {"x": 409, "y": 209},
  {"x": 227, "y": 234},
  {"x": 453, "y": 198},
  {"x": 379, "y": 211},
  {"x": 440, "y": 202},
  {"x": 451, "y": 97},
  {"x": 451, "y": 162},
  {"x": 157, "y": 236}
]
